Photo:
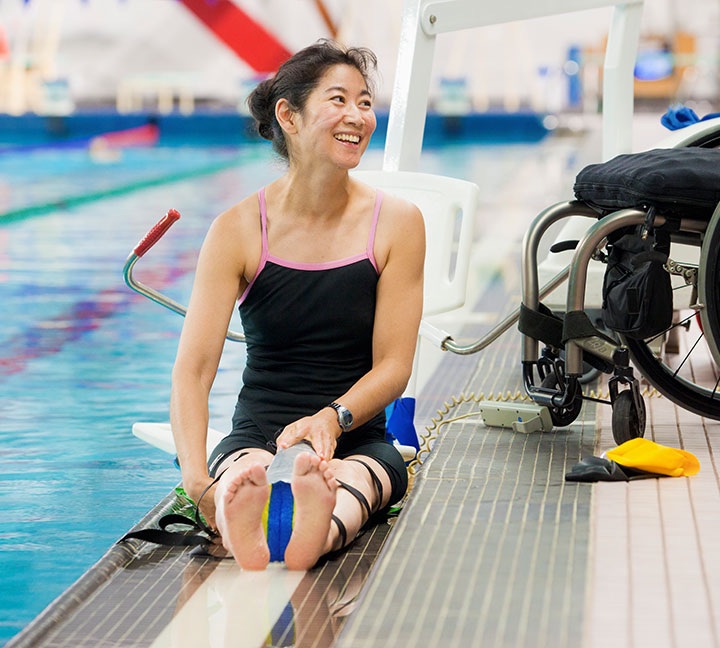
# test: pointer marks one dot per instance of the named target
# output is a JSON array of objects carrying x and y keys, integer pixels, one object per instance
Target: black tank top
[{"x": 308, "y": 329}]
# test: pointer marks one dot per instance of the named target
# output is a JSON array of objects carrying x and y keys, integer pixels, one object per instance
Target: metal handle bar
[
  {"x": 153, "y": 236},
  {"x": 446, "y": 342}
]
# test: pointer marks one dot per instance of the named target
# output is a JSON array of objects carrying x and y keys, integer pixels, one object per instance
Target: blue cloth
[
  {"x": 279, "y": 520},
  {"x": 400, "y": 415},
  {"x": 680, "y": 116}
]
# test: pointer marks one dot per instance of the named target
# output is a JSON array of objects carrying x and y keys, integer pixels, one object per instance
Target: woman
[{"x": 328, "y": 274}]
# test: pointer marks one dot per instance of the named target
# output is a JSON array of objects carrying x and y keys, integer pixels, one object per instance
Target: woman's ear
[{"x": 285, "y": 116}]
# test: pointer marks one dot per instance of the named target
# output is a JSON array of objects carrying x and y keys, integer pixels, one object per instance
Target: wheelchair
[{"x": 682, "y": 362}]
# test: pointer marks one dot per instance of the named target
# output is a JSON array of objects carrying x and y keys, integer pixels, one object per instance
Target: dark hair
[{"x": 297, "y": 78}]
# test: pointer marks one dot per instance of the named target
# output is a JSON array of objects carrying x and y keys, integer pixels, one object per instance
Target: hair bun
[{"x": 265, "y": 131}]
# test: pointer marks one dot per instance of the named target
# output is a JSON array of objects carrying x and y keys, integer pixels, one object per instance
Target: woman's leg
[
  {"x": 333, "y": 501},
  {"x": 240, "y": 498},
  {"x": 365, "y": 488}
]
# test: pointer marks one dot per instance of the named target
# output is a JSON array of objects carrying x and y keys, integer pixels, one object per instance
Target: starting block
[{"x": 521, "y": 417}]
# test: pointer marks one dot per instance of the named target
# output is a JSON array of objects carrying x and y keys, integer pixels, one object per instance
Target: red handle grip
[{"x": 156, "y": 232}]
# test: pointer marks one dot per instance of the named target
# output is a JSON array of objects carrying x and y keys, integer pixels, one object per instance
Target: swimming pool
[{"x": 82, "y": 357}]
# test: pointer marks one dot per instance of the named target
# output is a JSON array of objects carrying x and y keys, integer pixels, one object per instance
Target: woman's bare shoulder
[
  {"x": 402, "y": 209},
  {"x": 401, "y": 221},
  {"x": 241, "y": 221},
  {"x": 400, "y": 228},
  {"x": 243, "y": 214}
]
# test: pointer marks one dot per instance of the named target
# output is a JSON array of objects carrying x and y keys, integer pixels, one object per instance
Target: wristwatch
[{"x": 344, "y": 416}]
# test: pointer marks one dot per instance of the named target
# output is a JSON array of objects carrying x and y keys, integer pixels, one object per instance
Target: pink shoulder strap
[
  {"x": 264, "y": 250},
  {"x": 373, "y": 228},
  {"x": 263, "y": 225}
]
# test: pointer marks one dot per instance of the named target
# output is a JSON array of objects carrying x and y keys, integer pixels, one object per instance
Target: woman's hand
[{"x": 321, "y": 430}]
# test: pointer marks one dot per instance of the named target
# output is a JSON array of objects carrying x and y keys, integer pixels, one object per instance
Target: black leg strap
[
  {"x": 357, "y": 495},
  {"x": 186, "y": 538},
  {"x": 360, "y": 498},
  {"x": 198, "y": 520},
  {"x": 342, "y": 531},
  {"x": 376, "y": 482}
]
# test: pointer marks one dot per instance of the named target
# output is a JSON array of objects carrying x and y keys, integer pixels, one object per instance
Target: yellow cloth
[{"x": 647, "y": 455}]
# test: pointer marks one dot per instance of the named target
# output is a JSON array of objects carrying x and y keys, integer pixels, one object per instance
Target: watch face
[{"x": 345, "y": 417}]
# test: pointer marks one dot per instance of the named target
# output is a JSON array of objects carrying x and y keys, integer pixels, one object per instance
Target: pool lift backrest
[{"x": 448, "y": 206}]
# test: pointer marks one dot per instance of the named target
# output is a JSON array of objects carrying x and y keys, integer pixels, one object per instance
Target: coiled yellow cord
[{"x": 432, "y": 430}]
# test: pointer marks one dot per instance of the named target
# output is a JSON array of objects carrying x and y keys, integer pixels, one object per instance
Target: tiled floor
[
  {"x": 494, "y": 547},
  {"x": 655, "y": 568}
]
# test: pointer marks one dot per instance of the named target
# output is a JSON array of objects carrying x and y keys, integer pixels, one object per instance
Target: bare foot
[
  {"x": 239, "y": 505},
  {"x": 314, "y": 488}
]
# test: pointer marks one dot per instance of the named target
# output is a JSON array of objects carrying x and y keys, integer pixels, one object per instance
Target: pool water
[
  {"x": 43, "y": 179},
  {"x": 82, "y": 357}
]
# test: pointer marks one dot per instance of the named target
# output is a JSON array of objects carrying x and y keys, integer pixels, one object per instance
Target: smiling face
[{"x": 336, "y": 122}]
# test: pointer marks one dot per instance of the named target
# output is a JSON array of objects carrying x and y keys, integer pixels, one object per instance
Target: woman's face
[{"x": 337, "y": 121}]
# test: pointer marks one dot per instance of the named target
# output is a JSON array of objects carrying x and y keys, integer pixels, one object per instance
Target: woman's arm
[
  {"x": 400, "y": 252},
  {"x": 218, "y": 279}
]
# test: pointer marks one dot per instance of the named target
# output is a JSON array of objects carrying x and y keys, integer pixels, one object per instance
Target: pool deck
[{"x": 493, "y": 547}]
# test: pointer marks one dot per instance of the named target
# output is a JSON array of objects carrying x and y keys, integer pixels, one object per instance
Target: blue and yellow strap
[{"x": 278, "y": 518}]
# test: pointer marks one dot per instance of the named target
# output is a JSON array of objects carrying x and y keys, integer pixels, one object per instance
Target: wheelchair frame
[
  {"x": 559, "y": 386},
  {"x": 553, "y": 377}
]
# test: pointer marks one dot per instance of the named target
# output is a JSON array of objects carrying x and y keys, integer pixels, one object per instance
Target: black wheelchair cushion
[{"x": 677, "y": 182}]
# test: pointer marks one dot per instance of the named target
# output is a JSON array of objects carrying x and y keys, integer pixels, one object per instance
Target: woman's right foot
[{"x": 239, "y": 506}]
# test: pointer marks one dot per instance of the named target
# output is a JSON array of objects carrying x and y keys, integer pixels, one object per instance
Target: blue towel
[
  {"x": 400, "y": 422},
  {"x": 679, "y": 116}
]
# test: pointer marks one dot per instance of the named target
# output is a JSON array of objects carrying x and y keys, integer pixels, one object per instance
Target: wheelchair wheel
[
  {"x": 628, "y": 422},
  {"x": 683, "y": 373},
  {"x": 686, "y": 375},
  {"x": 709, "y": 286},
  {"x": 563, "y": 416}
]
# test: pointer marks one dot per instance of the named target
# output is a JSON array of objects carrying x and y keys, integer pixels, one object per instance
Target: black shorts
[{"x": 367, "y": 442}]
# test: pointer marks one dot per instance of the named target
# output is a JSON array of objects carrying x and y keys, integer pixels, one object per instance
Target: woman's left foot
[{"x": 314, "y": 488}]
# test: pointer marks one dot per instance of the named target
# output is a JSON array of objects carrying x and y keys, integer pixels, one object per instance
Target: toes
[
  {"x": 306, "y": 462},
  {"x": 257, "y": 475},
  {"x": 330, "y": 480}
]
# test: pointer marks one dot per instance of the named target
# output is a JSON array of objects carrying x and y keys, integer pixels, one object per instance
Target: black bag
[
  {"x": 637, "y": 291},
  {"x": 677, "y": 182}
]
